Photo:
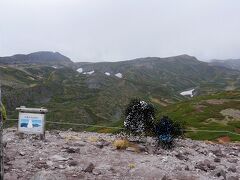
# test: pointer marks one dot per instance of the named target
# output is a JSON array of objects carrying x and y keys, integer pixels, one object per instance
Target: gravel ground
[{"x": 84, "y": 155}]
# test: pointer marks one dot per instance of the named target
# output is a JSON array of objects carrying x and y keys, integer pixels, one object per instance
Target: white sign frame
[{"x": 31, "y": 123}]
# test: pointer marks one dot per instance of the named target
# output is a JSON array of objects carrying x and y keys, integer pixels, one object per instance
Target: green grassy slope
[
  {"x": 204, "y": 113},
  {"x": 99, "y": 99}
]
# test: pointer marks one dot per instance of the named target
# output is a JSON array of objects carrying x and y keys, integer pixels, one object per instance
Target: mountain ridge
[
  {"x": 40, "y": 57},
  {"x": 229, "y": 63},
  {"x": 99, "y": 92}
]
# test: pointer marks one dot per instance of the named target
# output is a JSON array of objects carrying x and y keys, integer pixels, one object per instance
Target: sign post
[
  {"x": 1, "y": 139},
  {"x": 1, "y": 148},
  {"x": 32, "y": 121}
]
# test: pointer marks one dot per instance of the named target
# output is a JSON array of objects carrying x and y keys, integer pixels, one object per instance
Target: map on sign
[{"x": 31, "y": 123}]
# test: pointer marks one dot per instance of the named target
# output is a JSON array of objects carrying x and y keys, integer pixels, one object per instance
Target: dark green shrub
[
  {"x": 139, "y": 118},
  {"x": 166, "y": 131}
]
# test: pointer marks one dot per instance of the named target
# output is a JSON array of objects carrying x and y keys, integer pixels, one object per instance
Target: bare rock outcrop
[{"x": 84, "y": 155}]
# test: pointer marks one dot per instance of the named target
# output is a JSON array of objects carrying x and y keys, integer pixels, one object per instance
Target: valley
[{"x": 97, "y": 93}]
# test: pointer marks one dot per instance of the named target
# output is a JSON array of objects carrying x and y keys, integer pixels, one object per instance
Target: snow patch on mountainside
[
  {"x": 107, "y": 73},
  {"x": 89, "y": 73},
  {"x": 80, "y": 70},
  {"x": 119, "y": 75},
  {"x": 187, "y": 93}
]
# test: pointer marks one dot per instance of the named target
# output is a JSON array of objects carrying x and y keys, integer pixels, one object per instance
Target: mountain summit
[{"x": 41, "y": 58}]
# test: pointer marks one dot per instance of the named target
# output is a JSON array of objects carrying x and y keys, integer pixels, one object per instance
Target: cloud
[{"x": 96, "y": 30}]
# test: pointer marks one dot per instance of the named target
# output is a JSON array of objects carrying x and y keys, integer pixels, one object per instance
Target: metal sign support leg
[{"x": 1, "y": 148}]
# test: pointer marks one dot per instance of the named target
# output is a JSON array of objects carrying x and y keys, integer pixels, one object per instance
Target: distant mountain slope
[
  {"x": 174, "y": 73},
  {"x": 41, "y": 57},
  {"x": 98, "y": 92},
  {"x": 231, "y": 63}
]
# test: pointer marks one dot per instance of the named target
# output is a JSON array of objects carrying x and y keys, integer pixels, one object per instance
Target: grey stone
[
  {"x": 22, "y": 153},
  {"x": 234, "y": 154},
  {"x": 79, "y": 143},
  {"x": 72, "y": 163},
  {"x": 6, "y": 168},
  {"x": 58, "y": 158},
  {"x": 181, "y": 157},
  {"x": 232, "y": 169},
  {"x": 142, "y": 148},
  {"x": 218, "y": 160},
  {"x": 165, "y": 177},
  {"x": 48, "y": 175},
  {"x": 220, "y": 173},
  {"x": 201, "y": 166},
  {"x": 131, "y": 149},
  {"x": 106, "y": 143},
  {"x": 73, "y": 149},
  {"x": 49, "y": 163},
  {"x": 11, "y": 176},
  {"x": 96, "y": 172},
  {"x": 61, "y": 166},
  {"x": 150, "y": 149},
  {"x": 41, "y": 164},
  {"x": 99, "y": 145},
  {"x": 209, "y": 165},
  {"x": 88, "y": 168},
  {"x": 233, "y": 178},
  {"x": 187, "y": 168},
  {"x": 4, "y": 143},
  {"x": 232, "y": 160},
  {"x": 218, "y": 152},
  {"x": 202, "y": 151},
  {"x": 178, "y": 168},
  {"x": 205, "y": 165}
]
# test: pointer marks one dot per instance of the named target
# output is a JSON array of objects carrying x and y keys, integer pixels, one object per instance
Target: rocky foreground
[{"x": 74, "y": 156}]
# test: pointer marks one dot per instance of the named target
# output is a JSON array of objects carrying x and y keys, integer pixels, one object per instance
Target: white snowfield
[
  {"x": 119, "y": 75},
  {"x": 55, "y": 67},
  {"x": 80, "y": 70},
  {"x": 187, "y": 93},
  {"x": 107, "y": 73},
  {"x": 90, "y": 72}
]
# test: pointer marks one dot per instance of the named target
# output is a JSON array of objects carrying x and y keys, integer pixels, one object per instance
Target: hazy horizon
[{"x": 110, "y": 30}]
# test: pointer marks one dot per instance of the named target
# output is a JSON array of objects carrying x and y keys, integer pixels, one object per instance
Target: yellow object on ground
[{"x": 121, "y": 143}]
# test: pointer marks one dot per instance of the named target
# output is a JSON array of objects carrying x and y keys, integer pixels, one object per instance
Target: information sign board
[{"x": 31, "y": 123}]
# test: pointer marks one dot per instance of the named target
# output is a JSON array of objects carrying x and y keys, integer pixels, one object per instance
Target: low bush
[
  {"x": 139, "y": 118},
  {"x": 166, "y": 131}
]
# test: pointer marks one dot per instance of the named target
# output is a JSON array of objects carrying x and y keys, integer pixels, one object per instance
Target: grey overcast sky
[{"x": 111, "y": 30}]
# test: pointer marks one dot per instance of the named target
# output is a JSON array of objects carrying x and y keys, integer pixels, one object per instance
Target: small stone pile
[{"x": 84, "y": 155}]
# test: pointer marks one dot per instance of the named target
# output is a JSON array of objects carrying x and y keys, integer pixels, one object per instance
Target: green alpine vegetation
[
  {"x": 217, "y": 112},
  {"x": 97, "y": 93}
]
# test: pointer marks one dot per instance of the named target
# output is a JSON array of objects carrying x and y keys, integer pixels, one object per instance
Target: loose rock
[
  {"x": 72, "y": 163},
  {"x": 232, "y": 160},
  {"x": 48, "y": 175},
  {"x": 220, "y": 173},
  {"x": 232, "y": 169},
  {"x": 218, "y": 160},
  {"x": 58, "y": 158},
  {"x": 88, "y": 168},
  {"x": 233, "y": 178}
]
